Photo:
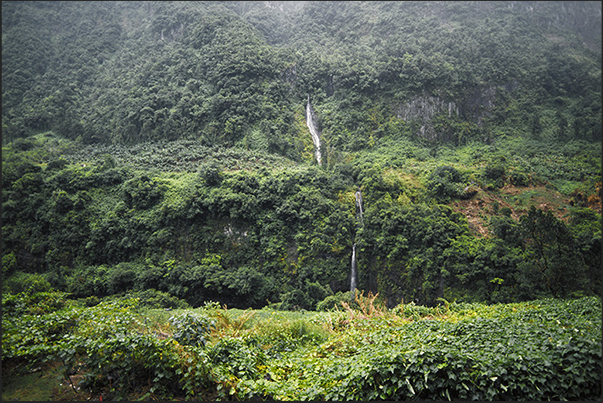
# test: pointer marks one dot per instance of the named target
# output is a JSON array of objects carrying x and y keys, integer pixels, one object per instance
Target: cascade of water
[
  {"x": 359, "y": 206},
  {"x": 354, "y": 269},
  {"x": 313, "y": 130},
  {"x": 353, "y": 274}
]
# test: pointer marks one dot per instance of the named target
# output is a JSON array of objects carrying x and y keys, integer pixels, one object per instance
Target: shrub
[
  {"x": 517, "y": 178},
  {"x": 9, "y": 264},
  {"x": 294, "y": 300},
  {"x": 191, "y": 328},
  {"x": 154, "y": 299},
  {"x": 333, "y": 302},
  {"x": 121, "y": 364},
  {"x": 27, "y": 283},
  {"x": 506, "y": 211},
  {"x": 238, "y": 358},
  {"x": 211, "y": 173},
  {"x": 445, "y": 182},
  {"x": 316, "y": 292},
  {"x": 494, "y": 173}
]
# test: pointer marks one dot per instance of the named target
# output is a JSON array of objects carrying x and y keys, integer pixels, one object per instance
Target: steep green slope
[
  {"x": 164, "y": 145},
  {"x": 446, "y": 72}
]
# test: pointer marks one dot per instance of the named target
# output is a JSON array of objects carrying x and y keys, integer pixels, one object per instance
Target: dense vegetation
[
  {"x": 124, "y": 350},
  {"x": 156, "y": 156},
  {"x": 247, "y": 229},
  {"x": 239, "y": 72}
]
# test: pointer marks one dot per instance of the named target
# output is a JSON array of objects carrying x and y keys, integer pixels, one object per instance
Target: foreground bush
[
  {"x": 538, "y": 350},
  {"x": 547, "y": 350}
]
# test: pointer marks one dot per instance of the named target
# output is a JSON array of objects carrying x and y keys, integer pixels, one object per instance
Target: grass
[
  {"x": 294, "y": 353},
  {"x": 44, "y": 383}
]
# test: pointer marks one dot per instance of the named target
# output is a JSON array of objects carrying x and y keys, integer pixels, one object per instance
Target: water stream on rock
[
  {"x": 310, "y": 122},
  {"x": 354, "y": 264},
  {"x": 359, "y": 206}
]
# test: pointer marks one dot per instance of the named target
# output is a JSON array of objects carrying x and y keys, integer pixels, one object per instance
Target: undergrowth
[{"x": 538, "y": 350}]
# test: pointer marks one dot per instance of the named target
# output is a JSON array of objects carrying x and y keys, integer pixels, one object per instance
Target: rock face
[
  {"x": 422, "y": 109},
  {"x": 474, "y": 107}
]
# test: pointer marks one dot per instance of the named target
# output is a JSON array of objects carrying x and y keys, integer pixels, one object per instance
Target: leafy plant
[{"x": 191, "y": 328}]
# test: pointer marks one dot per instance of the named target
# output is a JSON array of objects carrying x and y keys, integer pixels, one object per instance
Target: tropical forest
[{"x": 301, "y": 200}]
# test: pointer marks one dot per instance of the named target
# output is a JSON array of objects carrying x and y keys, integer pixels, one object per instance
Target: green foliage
[
  {"x": 542, "y": 350},
  {"x": 151, "y": 298},
  {"x": 184, "y": 175},
  {"x": 211, "y": 173},
  {"x": 494, "y": 172},
  {"x": 230, "y": 74},
  {"x": 141, "y": 193},
  {"x": 191, "y": 328},
  {"x": 446, "y": 182},
  {"x": 153, "y": 157},
  {"x": 554, "y": 253},
  {"x": 33, "y": 303},
  {"x": 237, "y": 357},
  {"x": 452, "y": 359},
  {"x": 281, "y": 234},
  {"x": 28, "y": 283},
  {"x": 333, "y": 302}
]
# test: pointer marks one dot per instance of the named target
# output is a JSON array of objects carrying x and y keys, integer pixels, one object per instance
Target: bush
[
  {"x": 9, "y": 264},
  {"x": 506, "y": 211},
  {"x": 26, "y": 283},
  {"x": 33, "y": 303},
  {"x": 294, "y": 300},
  {"x": 316, "y": 292},
  {"x": 191, "y": 328},
  {"x": 211, "y": 173},
  {"x": 445, "y": 182},
  {"x": 517, "y": 178},
  {"x": 333, "y": 302},
  {"x": 238, "y": 358},
  {"x": 157, "y": 299},
  {"x": 121, "y": 278},
  {"x": 494, "y": 173}
]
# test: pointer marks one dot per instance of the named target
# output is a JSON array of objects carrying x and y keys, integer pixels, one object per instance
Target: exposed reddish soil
[{"x": 481, "y": 207}]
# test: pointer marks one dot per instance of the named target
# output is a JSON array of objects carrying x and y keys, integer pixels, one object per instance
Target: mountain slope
[
  {"x": 164, "y": 145},
  {"x": 132, "y": 72}
]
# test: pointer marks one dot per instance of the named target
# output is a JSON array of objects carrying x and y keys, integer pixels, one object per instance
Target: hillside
[
  {"x": 240, "y": 72},
  {"x": 301, "y": 200},
  {"x": 165, "y": 146}
]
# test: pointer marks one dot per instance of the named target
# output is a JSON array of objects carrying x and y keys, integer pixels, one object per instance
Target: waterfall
[
  {"x": 354, "y": 274},
  {"x": 313, "y": 130},
  {"x": 354, "y": 268},
  {"x": 359, "y": 206}
]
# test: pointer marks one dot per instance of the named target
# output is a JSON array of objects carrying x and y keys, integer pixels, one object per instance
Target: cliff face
[
  {"x": 473, "y": 107},
  {"x": 422, "y": 108}
]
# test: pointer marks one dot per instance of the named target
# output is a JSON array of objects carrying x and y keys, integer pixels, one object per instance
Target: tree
[{"x": 551, "y": 247}]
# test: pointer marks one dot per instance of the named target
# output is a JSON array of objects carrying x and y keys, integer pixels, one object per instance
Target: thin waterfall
[
  {"x": 313, "y": 130},
  {"x": 359, "y": 206},
  {"x": 354, "y": 270}
]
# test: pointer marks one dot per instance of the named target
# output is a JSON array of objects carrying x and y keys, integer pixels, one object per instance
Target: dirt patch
[{"x": 485, "y": 204}]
